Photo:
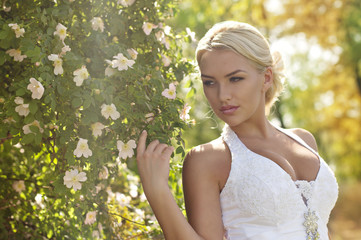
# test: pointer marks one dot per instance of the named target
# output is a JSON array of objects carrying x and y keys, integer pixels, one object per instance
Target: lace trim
[{"x": 306, "y": 189}]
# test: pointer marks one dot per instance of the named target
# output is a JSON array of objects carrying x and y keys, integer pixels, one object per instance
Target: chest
[{"x": 299, "y": 162}]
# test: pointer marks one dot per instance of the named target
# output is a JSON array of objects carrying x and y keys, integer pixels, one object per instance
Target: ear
[{"x": 267, "y": 79}]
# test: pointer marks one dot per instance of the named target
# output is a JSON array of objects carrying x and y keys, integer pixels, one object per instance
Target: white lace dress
[{"x": 260, "y": 201}]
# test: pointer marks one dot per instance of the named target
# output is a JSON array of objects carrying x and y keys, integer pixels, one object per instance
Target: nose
[{"x": 224, "y": 92}]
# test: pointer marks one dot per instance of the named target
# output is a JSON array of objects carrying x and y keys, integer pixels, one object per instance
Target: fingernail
[{"x": 144, "y": 131}]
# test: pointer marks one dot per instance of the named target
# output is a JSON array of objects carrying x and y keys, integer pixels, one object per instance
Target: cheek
[{"x": 210, "y": 95}]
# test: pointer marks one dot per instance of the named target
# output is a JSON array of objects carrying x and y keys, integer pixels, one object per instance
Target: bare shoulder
[
  {"x": 205, "y": 170},
  {"x": 305, "y": 136},
  {"x": 207, "y": 156}
]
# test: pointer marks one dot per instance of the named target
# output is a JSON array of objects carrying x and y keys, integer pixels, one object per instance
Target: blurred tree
[
  {"x": 330, "y": 95},
  {"x": 322, "y": 95}
]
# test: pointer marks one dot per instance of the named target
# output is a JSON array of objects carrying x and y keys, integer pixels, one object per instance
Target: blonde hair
[{"x": 247, "y": 41}]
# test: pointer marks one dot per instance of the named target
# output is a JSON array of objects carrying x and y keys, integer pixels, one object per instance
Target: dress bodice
[{"x": 260, "y": 201}]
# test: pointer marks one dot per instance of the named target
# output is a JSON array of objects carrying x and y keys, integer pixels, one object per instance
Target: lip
[{"x": 229, "y": 109}]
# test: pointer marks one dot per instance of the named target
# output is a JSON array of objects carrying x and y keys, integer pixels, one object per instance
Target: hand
[{"x": 153, "y": 163}]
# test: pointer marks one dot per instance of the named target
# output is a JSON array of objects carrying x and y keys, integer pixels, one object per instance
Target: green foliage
[{"x": 38, "y": 147}]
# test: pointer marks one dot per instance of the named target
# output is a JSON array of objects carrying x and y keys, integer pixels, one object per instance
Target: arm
[
  {"x": 202, "y": 170},
  {"x": 153, "y": 165}
]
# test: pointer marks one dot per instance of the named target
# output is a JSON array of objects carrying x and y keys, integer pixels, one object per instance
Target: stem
[{"x": 141, "y": 224}]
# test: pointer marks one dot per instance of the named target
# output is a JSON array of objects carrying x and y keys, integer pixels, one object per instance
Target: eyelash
[
  {"x": 232, "y": 79},
  {"x": 236, "y": 79},
  {"x": 208, "y": 83}
]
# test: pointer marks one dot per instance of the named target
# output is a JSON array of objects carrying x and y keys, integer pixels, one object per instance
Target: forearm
[{"x": 171, "y": 219}]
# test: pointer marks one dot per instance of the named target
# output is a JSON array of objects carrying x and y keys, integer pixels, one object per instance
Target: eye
[
  {"x": 208, "y": 82},
  {"x": 236, "y": 79}
]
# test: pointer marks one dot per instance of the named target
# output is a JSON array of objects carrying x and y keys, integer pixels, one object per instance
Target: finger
[
  {"x": 141, "y": 142},
  {"x": 168, "y": 152},
  {"x": 152, "y": 146},
  {"x": 160, "y": 148}
]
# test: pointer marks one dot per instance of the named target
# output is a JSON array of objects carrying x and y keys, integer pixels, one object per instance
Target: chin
[{"x": 231, "y": 121}]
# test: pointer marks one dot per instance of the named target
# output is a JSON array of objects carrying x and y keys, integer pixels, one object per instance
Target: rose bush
[{"x": 79, "y": 81}]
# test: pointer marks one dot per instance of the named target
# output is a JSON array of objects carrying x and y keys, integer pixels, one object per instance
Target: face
[{"x": 234, "y": 88}]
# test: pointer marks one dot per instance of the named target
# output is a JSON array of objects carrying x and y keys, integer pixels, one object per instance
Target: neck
[{"x": 259, "y": 128}]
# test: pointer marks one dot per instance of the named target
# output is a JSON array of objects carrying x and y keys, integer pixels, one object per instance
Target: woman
[{"x": 257, "y": 181}]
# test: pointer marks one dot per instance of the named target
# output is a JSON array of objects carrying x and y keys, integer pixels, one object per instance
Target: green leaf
[
  {"x": 70, "y": 157},
  {"x": 76, "y": 102},
  {"x": 87, "y": 103},
  {"x": 33, "y": 107},
  {"x": 29, "y": 119},
  {"x": 191, "y": 93},
  {"x": 20, "y": 92},
  {"x": 188, "y": 84},
  {"x": 28, "y": 138},
  {"x": 2, "y": 58},
  {"x": 47, "y": 99},
  {"x": 3, "y": 34},
  {"x": 34, "y": 129},
  {"x": 38, "y": 138},
  {"x": 179, "y": 150}
]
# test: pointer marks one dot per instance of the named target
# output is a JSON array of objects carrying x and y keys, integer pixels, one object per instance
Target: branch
[{"x": 141, "y": 224}]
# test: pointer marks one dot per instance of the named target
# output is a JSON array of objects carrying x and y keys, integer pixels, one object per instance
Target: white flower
[
  {"x": 142, "y": 197},
  {"x": 148, "y": 27},
  {"x": 39, "y": 200},
  {"x": 97, "y": 24},
  {"x": 65, "y": 49},
  {"x": 159, "y": 35},
  {"x": 166, "y": 42},
  {"x": 126, "y": 3},
  {"x": 58, "y": 63},
  {"x": 133, "y": 54},
  {"x": 97, "y": 129},
  {"x": 166, "y": 60},
  {"x": 22, "y": 109},
  {"x": 19, "y": 100},
  {"x": 167, "y": 30},
  {"x": 121, "y": 62},
  {"x": 19, "y": 32},
  {"x": 126, "y": 149},
  {"x": 72, "y": 179},
  {"x": 109, "y": 71},
  {"x": 133, "y": 190},
  {"x": 98, "y": 188},
  {"x": 36, "y": 88},
  {"x": 95, "y": 234},
  {"x": 191, "y": 34},
  {"x": 83, "y": 149},
  {"x": 110, "y": 111},
  {"x": 170, "y": 92},
  {"x": 90, "y": 217},
  {"x": 80, "y": 75},
  {"x": 139, "y": 213},
  {"x": 19, "y": 186},
  {"x": 16, "y": 53},
  {"x": 27, "y": 130},
  {"x": 104, "y": 173},
  {"x": 184, "y": 115},
  {"x": 60, "y": 31},
  {"x": 122, "y": 199}
]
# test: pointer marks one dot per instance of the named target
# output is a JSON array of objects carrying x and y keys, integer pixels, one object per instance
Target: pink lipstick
[{"x": 229, "y": 109}]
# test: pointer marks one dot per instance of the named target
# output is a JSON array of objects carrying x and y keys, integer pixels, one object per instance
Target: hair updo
[{"x": 247, "y": 41}]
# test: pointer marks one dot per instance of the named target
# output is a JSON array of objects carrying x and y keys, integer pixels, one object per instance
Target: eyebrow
[{"x": 229, "y": 74}]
